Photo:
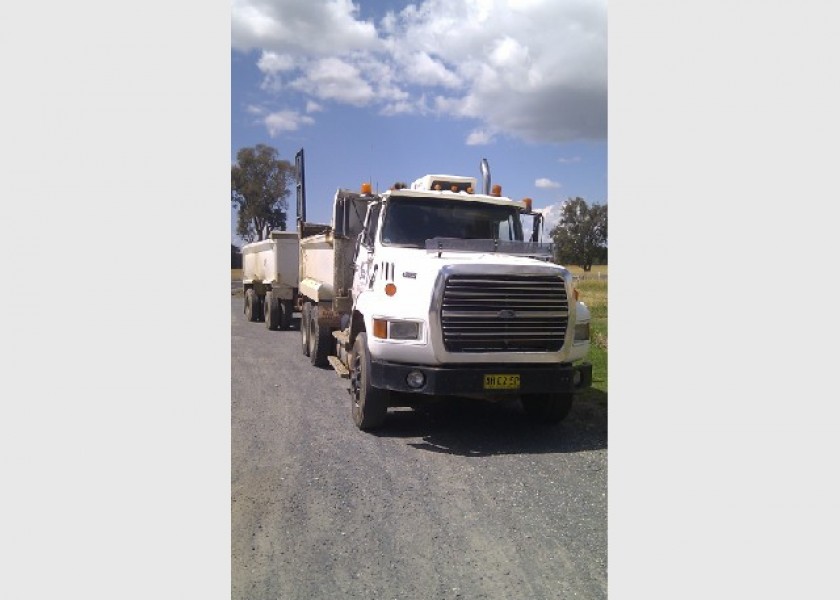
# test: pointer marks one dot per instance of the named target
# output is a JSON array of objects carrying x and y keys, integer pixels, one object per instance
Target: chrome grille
[{"x": 504, "y": 313}]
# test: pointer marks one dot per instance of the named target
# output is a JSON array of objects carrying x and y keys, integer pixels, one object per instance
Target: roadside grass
[
  {"x": 593, "y": 293},
  {"x": 597, "y": 271}
]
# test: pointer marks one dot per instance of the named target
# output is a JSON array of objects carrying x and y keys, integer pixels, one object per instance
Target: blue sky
[{"x": 388, "y": 91}]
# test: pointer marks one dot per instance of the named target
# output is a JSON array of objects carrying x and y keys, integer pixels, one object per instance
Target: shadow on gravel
[{"x": 475, "y": 428}]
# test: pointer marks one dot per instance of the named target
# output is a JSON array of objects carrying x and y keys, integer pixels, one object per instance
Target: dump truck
[
  {"x": 430, "y": 291},
  {"x": 270, "y": 279}
]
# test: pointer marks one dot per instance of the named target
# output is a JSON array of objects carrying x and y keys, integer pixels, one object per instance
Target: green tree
[
  {"x": 580, "y": 238},
  {"x": 259, "y": 186}
]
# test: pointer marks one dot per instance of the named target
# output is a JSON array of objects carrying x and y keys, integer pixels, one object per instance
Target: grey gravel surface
[{"x": 461, "y": 500}]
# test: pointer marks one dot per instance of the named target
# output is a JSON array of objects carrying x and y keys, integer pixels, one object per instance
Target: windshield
[{"x": 412, "y": 221}]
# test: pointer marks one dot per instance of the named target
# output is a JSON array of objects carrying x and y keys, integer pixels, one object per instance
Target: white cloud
[
  {"x": 320, "y": 27},
  {"x": 312, "y": 107},
  {"x": 271, "y": 62},
  {"x": 533, "y": 69},
  {"x": 273, "y": 65},
  {"x": 420, "y": 68},
  {"x": 479, "y": 137},
  {"x": 285, "y": 120},
  {"x": 335, "y": 79},
  {"x": 568, "y": 161},
  {"x": 545, "y": 183}
]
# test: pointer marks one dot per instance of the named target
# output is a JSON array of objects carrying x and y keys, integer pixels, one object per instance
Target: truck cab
[{"x": 449, "y": 299}]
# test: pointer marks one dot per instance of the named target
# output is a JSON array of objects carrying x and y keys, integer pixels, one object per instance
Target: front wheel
[
  {"x": 319, "y": 339},
  {"x": 547, "y": 408},
  {"x": 369, "y": 405}
]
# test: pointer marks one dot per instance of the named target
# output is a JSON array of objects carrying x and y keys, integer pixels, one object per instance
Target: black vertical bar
[{"x": 301, "y": 190}]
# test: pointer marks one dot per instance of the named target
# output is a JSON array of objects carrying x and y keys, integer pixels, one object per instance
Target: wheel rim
[
  {"x": 304, "y": 329},
  {"x": 355, "y": 380}
]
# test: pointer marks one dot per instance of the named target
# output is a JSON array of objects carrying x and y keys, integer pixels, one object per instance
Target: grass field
[{"x": 593, "y": 293}]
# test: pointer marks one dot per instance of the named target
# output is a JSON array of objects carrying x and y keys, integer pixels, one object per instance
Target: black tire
[
  {"x": 368, "y": 405},
  {"x": 304, "y": 327},
  {"x": 258, "y": 308},
  {"x": 286, "y": 309},
  {"x": 271, "y": 311},
  {"x": 547, "y": 408},
  {"x": 251, "y": 300},
  {"x": 319, "y": 340}
]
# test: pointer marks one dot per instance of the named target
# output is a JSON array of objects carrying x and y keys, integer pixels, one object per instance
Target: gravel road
[{"x": 463, "y": 500}]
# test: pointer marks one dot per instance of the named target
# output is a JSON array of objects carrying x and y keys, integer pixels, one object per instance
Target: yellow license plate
[{"x": 501, "y": 382}]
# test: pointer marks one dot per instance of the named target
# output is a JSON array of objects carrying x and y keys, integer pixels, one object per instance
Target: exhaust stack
[{"x": 485, "y": 176}]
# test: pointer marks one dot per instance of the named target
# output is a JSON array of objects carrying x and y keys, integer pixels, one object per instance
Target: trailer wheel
[
  {"x": 547, "y": 408},
  {"x": 304, "y": 327},
  {"x": 319, "y": 340},
  {"x": 286, "y": 315},
  {"x": 251, "y": 300},
  {"x": 271, "y": 311},
  {"x": 258, "y": 307},
  {"x": 368, "y": 405}
]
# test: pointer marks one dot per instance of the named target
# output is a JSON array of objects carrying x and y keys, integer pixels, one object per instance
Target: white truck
[
  {"x": 270, "y": 279},
  {"x": 430, "y": 290}
]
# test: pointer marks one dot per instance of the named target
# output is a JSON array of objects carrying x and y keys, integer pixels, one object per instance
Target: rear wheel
[
  {"x": 547, "y": 408},
  {"x": 250, "y": 304},
  {"x": 304, "y": 327},
  {"x": 271, "y": 311},
  {"x": 319, "y": 340},
  {"x": 369, "y": 405},
  {"x": 258, "y": 307},
  {"x": 286, "y": 314}
]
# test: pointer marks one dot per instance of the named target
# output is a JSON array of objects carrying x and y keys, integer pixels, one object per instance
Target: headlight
[
  {"x": 403, "y": 330},
  {"x": 582, "y": 332},
  {"x": 396, "y": 330}
]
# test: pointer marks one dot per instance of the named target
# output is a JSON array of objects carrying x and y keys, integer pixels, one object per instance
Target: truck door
[{"x": 363, "y": 263}]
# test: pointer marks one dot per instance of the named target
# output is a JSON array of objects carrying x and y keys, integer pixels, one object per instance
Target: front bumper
[{"x": 469, "y": 379}]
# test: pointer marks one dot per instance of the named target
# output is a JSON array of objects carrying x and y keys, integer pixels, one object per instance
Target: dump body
[
  {"x": 326, "y": 256},
  {"x": 272, "y": 263}
]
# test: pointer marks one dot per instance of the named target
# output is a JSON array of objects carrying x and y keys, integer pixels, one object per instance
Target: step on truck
[
  {"x": 270, "y": 279},
  {"x": 430, "y": 290}
]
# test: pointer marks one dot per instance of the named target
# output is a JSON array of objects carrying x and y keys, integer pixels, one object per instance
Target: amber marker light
[
  {"x": 380, "y": 328},
  {"x": 390, "y": 289},
  {"x": 497, "y": 190},
  {"x": 528, "y": 202},
  {"x": 366, "y": 189}
]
